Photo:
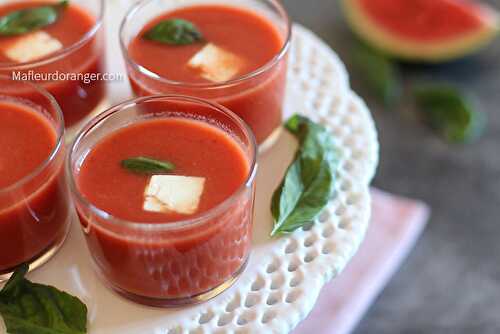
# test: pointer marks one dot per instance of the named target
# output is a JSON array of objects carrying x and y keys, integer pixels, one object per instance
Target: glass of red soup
[
  {"x": 164, "y": 188},
  {"x": 234, "y": 53},
  {"x": 34, "y": 204},
  {"x": 58, "y": 45}
]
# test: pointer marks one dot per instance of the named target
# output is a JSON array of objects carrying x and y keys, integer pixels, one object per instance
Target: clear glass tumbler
[
  {"x": 170, "y": 263},
  {"x": 257, "y": 97},
  {"x": 72, "y": 73},
  {"x": 35, "y": 210}
]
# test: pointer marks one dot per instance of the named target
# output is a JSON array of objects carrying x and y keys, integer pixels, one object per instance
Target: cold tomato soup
[
  {"x": 66, "y": 72},
  {"x": 33, "y": 198},
  {"x": 252, "y": 40},
  {"x": 167, "y": 254}
]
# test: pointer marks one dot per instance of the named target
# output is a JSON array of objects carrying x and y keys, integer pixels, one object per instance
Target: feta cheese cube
[
  {"x": 167, "y": 193},
  {"x": 32, "y": 46},
  {"x": 216, "y": 64}
]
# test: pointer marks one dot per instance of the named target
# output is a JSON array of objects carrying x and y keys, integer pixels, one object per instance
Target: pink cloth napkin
[{"x": 396, "y": 225}]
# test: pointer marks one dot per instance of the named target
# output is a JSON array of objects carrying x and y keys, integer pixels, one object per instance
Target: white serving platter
[{"x": 285, "y": 275}]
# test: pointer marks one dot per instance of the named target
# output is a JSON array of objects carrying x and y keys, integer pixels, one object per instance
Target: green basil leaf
[
  {"x": 308, "y": 184},
  {"x": 14, "y": 281},
  {"x": 378, "y": 73},
  {"x": 145, "y": 165},
  {"x": 449, "y": 112},
  {"x": 31, "y": 308},
  {"x": 26, "y": 20},
  {"x": 174, "y": 32}
]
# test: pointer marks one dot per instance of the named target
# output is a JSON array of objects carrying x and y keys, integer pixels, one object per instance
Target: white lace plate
[{"x": 285, "y": 275}]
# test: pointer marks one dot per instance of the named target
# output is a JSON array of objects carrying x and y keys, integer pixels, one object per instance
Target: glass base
[
  {"x": 71, "y": 132},
  {"x": 44, "y": 256},
  {"x": 270, "y": 140},
  {"x": 175, "y": 302}
]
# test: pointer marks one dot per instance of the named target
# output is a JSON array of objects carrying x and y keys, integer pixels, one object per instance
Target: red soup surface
[
  {"x": 176, "y": 262},
  {"x": 246, "y": 34},
  {"x": 33, "y": 208},
  {"x": 76, "y": 95}
]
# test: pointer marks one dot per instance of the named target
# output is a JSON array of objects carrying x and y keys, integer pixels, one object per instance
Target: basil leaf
[
  {"x": 26, "y": 20},
  {"x": 174, "y": 32},
  {"x": 449, "y": 112},
  {"x": 378, "y": 73},
  {"x": 31, "y": 308},
  {"x": 145, "y": 165},
  {"x": 309, "y": 181}
]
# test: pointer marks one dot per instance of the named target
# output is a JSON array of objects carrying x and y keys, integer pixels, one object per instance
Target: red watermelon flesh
[
  {"x": 425, "y": 19},
  {"x": 424, "y": 30}
]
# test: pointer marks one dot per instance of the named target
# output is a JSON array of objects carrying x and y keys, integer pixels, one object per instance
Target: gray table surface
[{"x": 450, "y": 283}]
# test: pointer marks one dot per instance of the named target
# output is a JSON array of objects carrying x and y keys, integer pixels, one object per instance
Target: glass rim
[
  {"x": 5, "y": 66},
  {"x": 59, "y": 133},
  {"x": 242, "y": 78},
  {"x": 171, "y": 225}
]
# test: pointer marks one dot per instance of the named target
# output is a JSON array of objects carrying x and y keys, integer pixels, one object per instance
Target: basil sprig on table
[
  {"x": 145, "y": 165},
  {"x": 174, "y": 32},
  {"x": 449, "y": 112},
  {"x": 32, "y": 308},
  {"x": 377, "y": 72},
  {"x": 309, "y": 181},
  {"x": 26, "y": 20}
]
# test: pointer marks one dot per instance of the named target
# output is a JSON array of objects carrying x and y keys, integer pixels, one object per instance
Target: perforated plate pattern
[{"x": 284, "y": 278}]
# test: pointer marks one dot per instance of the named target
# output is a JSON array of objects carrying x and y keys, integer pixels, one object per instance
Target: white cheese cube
[
  {"x": 32, "y": 46},
  {"x": 167, "y": 193},
  {"x": 153, "y": 205},
  {"x": 216, "y": 64}
]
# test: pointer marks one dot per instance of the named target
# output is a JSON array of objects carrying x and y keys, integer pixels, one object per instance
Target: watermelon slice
[{"x": 423, "y": 30}]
